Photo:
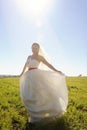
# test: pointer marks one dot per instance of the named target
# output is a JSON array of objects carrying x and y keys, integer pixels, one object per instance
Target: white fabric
[
  {"x": 32, "y": 63},
  {"x": 44, "y": 93}
]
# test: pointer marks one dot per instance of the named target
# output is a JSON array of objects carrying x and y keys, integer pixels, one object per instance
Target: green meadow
[{"x": 14, "y": 116}]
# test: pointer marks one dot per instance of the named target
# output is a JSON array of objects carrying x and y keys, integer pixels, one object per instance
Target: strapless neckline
[{"x": 35, "y": 60}]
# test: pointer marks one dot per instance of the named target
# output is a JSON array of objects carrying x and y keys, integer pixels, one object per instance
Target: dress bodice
[{"x": 32, "y": 63}]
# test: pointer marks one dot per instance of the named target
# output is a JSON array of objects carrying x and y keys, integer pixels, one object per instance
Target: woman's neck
[{"x": 34, "y": 55}]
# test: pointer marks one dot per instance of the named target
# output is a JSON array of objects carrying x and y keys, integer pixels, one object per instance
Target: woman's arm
[
  {"x": 49, "y": 65},
  {"x": 24, "y": 68}
]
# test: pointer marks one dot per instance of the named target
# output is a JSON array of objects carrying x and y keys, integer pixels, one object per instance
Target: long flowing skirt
[{"x": 44, "y": 93}]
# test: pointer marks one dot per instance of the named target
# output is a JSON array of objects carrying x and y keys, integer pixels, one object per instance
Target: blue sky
[{"x": 60, "y": 26}]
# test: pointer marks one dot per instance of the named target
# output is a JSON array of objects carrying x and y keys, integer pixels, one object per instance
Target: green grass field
[{"x": 13, "y": 115}]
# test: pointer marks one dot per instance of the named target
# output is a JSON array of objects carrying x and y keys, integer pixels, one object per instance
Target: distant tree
[{"x": 80, "y": 75}]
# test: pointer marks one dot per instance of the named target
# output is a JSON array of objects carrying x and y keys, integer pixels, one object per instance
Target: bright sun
[{"x": 34, "y": 7}]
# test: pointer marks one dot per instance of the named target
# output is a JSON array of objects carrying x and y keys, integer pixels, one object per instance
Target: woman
[{"x": 44, "y": 93}]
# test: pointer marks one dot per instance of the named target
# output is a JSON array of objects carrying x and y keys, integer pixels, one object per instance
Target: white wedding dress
[{"x": 44, "y": 93}]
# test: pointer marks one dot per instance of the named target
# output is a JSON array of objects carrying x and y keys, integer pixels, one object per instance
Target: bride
[{"x": 43, "y": 92}]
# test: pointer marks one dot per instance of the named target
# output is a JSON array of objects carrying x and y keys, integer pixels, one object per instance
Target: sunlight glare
[{"x": 34, "y": 7}]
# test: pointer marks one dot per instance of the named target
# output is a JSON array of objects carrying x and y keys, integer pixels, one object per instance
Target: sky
[{"x": 59, "y": 26}]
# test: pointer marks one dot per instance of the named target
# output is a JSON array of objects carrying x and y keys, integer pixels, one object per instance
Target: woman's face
[{"x": 35, "y": 48}]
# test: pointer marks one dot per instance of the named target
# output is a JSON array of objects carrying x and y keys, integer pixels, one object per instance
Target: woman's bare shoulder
[
  {"x": 29, "y": 57},
  {"x": 40, "y": 58}
]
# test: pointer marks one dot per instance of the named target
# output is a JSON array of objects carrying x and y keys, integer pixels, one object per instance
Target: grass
[{"x": 13, "y": 115}]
